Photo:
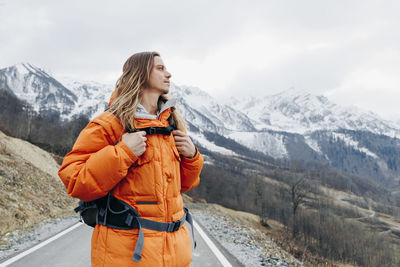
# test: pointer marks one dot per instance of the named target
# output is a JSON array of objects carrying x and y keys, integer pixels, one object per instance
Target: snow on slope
[
  {"x": 200, "y": 139},
  {"x": 267, "y": 143},
  {"x": 297, "y": 111},
  {"x": 352, "y": 143},
  {"x": 313, "y": 144},
  {"x": 93, "y": 97}
]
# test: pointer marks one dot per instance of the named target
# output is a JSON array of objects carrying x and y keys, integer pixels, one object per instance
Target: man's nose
[{"x": 168, "y": 75}]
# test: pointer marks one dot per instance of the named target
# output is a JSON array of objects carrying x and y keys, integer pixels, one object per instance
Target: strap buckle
[
  {"x": 152, "y": 130},
  {"x": 177, "y": 225},
  {"x": 174, "y": 226}
]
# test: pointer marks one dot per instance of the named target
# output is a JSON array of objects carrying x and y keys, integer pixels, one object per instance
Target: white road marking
[
  {"x": 29, "y": 251},
  {"x": 208, "y": 241},
  {"x": 212, "y": 246}
]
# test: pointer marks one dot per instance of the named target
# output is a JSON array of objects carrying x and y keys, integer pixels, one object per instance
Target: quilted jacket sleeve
[
  {"x": 190, "y": 171},
  {"x": 95, "y": 165}
]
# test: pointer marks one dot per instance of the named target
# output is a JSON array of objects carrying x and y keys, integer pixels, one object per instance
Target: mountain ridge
[{"x": 293, "y": 124}]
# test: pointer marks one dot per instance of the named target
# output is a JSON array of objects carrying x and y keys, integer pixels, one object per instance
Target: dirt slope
[{"x": 30, "y": 190}]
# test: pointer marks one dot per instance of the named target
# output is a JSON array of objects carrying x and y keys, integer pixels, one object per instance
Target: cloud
[
  {"x": 223, "y": 47},
  {"x": 92, "y": 36}
]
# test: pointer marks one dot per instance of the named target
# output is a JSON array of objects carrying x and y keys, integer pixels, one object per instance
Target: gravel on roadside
[{"x": 250, "y": 246}]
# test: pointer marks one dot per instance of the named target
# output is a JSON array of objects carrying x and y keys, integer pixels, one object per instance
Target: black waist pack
[{"x": 88, "y": 210}]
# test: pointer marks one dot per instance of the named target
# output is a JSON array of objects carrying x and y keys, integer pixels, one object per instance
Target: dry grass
[{"x": 30, "y": 190}]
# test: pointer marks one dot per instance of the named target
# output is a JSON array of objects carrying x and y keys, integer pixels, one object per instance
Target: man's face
[{"x": 159, "y": 77}]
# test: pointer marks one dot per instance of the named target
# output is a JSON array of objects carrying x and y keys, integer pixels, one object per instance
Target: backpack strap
[{"x": 158, "y": 130}]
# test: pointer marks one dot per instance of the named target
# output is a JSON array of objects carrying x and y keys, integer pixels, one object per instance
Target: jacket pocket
[{"x": 148, "y": 206}]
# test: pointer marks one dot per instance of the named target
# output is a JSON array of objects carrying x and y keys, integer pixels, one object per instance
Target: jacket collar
[
  {"x": 141, "y": 112},
  {"x": 144, "y": 119}
]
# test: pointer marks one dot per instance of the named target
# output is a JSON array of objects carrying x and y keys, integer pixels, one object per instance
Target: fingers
[
  {"x": 181, "y": 149},
  {"x": 185, "y": 149},
  {"x": 179, "y": 138},
  {"x": 180, "y": 145},
  {"x": 184, "y": 144},
  {"x": 136, "y": 142},
  {"x": 182, "y": 141},
  {"x": 178, "y": 133},
  {"x": 142, "y": 134}
]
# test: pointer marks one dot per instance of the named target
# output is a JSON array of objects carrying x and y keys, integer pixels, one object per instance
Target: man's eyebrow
[{"x": 160, "y": 65}]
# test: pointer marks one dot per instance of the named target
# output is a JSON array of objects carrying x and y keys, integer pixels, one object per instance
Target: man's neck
[{"x": 149, "y": 101}]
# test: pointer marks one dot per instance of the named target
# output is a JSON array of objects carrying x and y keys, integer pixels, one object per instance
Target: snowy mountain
[
  {"x": 38, "y": 88},
  {"x": 47, "y": 94},
  {"x": 204, "y": 112},
  {"x": 298, "y": 125},
  {"x": 293, "y": 124},
  {"x": 297, "y": 111}
]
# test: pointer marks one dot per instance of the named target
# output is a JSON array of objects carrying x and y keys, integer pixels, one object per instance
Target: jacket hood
[{"x": 111, "y": 98}]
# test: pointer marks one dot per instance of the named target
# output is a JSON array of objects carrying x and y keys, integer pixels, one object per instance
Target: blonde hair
[{"x": 129, "y": 90}]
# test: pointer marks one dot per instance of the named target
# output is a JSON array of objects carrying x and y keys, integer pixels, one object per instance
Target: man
[{"x": 132, "y": 152}]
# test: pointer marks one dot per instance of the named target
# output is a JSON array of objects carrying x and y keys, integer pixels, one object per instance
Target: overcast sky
[{"x": 347, "y": 50}]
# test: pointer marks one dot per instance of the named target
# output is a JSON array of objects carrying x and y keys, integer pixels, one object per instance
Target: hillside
[
  {"x": 30, "y": 190},
  {"x": 324, "y": 215},
  {"x": 242, "y": 234}
]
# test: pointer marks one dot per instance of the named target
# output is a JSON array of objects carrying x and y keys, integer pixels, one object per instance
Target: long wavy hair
[{"x": 129, "y": 90}]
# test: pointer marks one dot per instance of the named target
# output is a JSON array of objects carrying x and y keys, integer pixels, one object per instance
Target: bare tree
[{"x": 298, "y": 191}]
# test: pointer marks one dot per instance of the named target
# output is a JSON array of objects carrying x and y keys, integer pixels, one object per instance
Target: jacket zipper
[{"x": 163, "y": 197}]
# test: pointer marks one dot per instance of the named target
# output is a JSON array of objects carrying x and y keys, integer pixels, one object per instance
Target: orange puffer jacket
[{"x": 151, "y": 183}]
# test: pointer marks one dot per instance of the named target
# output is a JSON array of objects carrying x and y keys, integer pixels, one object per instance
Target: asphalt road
[{"x": 73, "y": 249}]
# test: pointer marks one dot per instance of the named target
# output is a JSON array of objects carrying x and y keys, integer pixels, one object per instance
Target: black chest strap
[{"x": 158, "y": 130}]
